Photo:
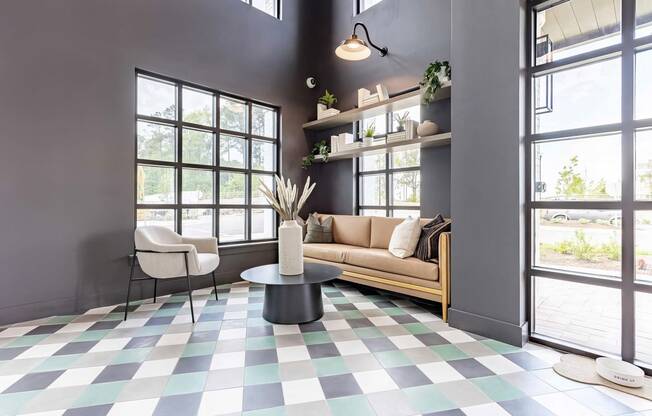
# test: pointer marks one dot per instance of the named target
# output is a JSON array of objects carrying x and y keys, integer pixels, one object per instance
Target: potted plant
[
  {"x": 290, "y": 243},
  {"x": 437, "y": 75},
  {"x": 325, "y": 105},
  {"x": 368, "y": 133},
  {"x": 320, "y": 148},
  {"x": 401, "y": 120}
]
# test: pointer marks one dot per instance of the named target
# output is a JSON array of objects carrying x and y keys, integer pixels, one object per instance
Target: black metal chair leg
[
  {"x": 155, "y": 283},
  {"x": 192, "y": 309},
  {"x": 131, "y": 276},
  {"x": 214, "y": 285}
]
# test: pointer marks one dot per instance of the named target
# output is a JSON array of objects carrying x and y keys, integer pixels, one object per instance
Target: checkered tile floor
[{"x": 371, "y": 354}]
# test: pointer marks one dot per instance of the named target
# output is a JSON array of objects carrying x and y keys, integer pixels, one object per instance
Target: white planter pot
[{"x": 290, "y": 248}]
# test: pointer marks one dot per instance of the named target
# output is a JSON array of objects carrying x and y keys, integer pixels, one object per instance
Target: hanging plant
[
  {"x": 433, "y": 78},
  {"x": 320, "y": 148}
]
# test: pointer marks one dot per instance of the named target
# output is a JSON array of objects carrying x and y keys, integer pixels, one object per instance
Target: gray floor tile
[{"x": 339, "y": 386}]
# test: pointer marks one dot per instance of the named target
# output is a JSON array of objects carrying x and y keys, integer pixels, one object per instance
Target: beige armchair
[{"x": 164, "y": 254}]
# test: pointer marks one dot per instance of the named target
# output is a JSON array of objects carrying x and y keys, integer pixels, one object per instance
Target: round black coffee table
[{"x": 292, "y": 299}]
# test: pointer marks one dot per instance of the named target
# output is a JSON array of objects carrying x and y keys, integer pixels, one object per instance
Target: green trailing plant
[
  {"x": 370, "y": 131},
  {"x": 328, "y": 99},
  {"x": 319, "y": 149},
  {"x": 431, "y": 82},
  {"x": 401, "y": 119}
]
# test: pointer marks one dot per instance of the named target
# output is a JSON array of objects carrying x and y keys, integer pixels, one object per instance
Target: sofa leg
[
  {"x": 131, "y": 276},
  {"x": 444, "y": 311},
  {"x": 192, "y": 309},
  {"x": 214, "y": 285}
]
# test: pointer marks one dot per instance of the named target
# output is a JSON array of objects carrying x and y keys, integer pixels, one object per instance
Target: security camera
[{"x": 311, "y": 82}]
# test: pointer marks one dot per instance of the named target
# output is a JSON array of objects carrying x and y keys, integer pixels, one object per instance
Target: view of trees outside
[{"x": 156, "y": 184}]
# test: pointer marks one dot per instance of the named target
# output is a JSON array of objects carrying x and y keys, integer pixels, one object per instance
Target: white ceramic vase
[
  {"x": 427, "y": 128},
  {"x": 290, "y": 248}
]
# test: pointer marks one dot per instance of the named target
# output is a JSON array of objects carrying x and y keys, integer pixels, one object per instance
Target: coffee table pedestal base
[{"x": 293, "y": 304}]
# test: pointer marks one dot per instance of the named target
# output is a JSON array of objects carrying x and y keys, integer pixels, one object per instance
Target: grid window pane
[
  {"x": 413, "y": 113},
  {"x": 156, "y": 141},
  {"x": 197, "y": 222},
  {"x": 263, "y": 121},
  {"x": 198, "y": 147},
  {"x": 232, "y": 188},
  {"x": 263, "y": 223},
  {"x": 578, "y": 169},
  {"x": 643, "y": 320},
  {"x": 643, "y": 91},
  {"x": 643, "y": 19},
  {"x": 578, "y": 97},
  {"x": 157, "y": 98},
  {"x": 155, "y": 185},
  {"x": 233, "y": 114},
  {"x": 197, "y": 186},
  {"x": 643, "y": 245},
  {"x": 257, "y": 197},
  {"x": 267, "y": 6},
  {"x": 404, "y": 213},
  {"x": 232, "y": 225},
  {"x": 160, "y": 217},
  {"x": 643, "y": 164},
  {"x": 365, "y": 4},
  {"x": 233, "y": 151},
  {"x": 198, "y": 107},
  {"x": 584, "y": 241},
  {"x": 406, "y": 188},
  {"x": 405, "y": 158},
  {"x": 585, "y": 315},
  {"x": 378, "y": 124},
  {"x": 373, "y": 212},
  {"x": 372, "y": 162},
  {"x": 575, "y": 27},
  {"x": 372, "y": 190},
  {"x": 263, "y": 154}
]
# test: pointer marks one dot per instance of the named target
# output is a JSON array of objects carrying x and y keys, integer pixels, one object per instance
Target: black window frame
[
  {"x": 628, "y": 205},
  {"x": 357, "y": 7},
  {"x": 388, "y": 171},
  {"x": 178, "y": 164},
  {"x": 278, "y": 8}
]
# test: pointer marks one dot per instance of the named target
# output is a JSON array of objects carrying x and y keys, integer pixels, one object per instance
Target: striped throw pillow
[{"x": 428, "y": 246}]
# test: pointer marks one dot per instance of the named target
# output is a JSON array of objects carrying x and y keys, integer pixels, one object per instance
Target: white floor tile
[
  {"x": 228, "y": 360},
  {"x": 302, "y": 391},
  {"x": 561, "y": 404},
  {"x": 637, "y": 403},
  {"x": 336, "y": 324},
  {"x": 499, "y": 364},
  {"x": 135, "y": 407},
  {"x": 173, "y": 339},
  {"x": 156, "y": 368},
  {"x": 440, "y": 372},
  {"x": 7, "y": 381},
  {"x": 456, "y": 336},
  {"x": 221, "y": 402},
  {"x": 113, "y": 344},
  {"x": 77, "y": 377},
  {"x": 375, "y": 381},
  {"x": 75, "y": 327},
  {"x": 233, "y": 333},
  {"x": 38, "y": 351},
  {"x": 286, "y": 329},
  {"x": 487, "y": 409},
  {"x": 404, "y": 342},
  {"x": 15, "y": 331},
  {"x": 351, "y": 347},
  {"x": 289, "y": 354},
  {"x": 382, "y": 321}
]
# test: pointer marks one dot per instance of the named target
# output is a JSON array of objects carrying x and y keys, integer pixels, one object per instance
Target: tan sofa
[{"x": 360, "y": 250}]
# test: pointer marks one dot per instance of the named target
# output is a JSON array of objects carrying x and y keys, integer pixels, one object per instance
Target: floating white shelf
[
  {"x": 442, "y": 139},
  {"x": 398, "y": 103}
]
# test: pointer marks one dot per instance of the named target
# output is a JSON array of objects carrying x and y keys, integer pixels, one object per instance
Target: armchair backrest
[{"x": 147, "y": 237}]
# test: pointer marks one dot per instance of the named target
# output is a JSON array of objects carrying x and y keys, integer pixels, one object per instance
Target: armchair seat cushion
[
  {"x": 381, "y": 259},
  {"x": 328, "y": 251},
  {"x": 207, "y": 263}
]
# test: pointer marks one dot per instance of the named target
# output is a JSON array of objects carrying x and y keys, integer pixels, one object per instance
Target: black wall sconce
[{"x": 356, "y": 49}]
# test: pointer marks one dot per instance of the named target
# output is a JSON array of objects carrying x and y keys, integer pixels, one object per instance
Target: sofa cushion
[
  {"x": 328, "y": 251},
  {"x": 405, "y": 238},
  {"x": 382, "y": 229},
  {"x": 350, "y": 229},
  {"x": 428, "y": 247},
  {"x": 381, "y": 259},
  {"x": 319, "y": 232}
]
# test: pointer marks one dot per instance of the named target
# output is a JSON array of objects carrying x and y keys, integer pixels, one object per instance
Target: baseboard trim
[{"x": 488, "y": 327}]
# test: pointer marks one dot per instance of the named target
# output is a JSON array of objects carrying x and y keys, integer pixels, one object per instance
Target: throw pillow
[
  {"x": 405, "y": 238},
  {"x": 428, "y": 246},
  {"x": 319, "y": 233}
]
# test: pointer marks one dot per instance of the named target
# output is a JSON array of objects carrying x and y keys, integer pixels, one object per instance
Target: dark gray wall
[
  {"x": 67, "y": 116},
  {"x": 487, "y": 169},
  {"x": 416, "y": 33}
]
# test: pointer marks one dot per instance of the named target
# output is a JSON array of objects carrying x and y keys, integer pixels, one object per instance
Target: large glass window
[
  {"x": 363, "y": 5},
  {"x": 200, "y": 158},
  {"x": 590, "y": 176},
  {"x": 271, "y": 7}
]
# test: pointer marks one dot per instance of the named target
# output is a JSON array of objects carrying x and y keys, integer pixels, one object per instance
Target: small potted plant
[
  {"x": 325, "y": 105},
  {"x": 368, "y": 134},
  {"x": 401, "y": 120},
  {"x": 405, "y": 128},
  {"x": 437, "y": 75},
  {"x": 321, "y": 149}
]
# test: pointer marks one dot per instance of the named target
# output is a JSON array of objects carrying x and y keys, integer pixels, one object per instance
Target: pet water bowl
[{"x": 620, "y": 372}]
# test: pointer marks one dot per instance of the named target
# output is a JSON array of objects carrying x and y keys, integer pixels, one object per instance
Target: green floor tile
[
  {"x": 115, "y": 316},
  {"x": 152, "y": 330},
  {"x": 166, "y": 312},
  {"x": 98, "y": 394},
  {"x": 254, "y": 306},
  {"x": 390, "y": 359},
  {"x": 330, "y": 366},
  {"x": 497, "y": 389},
  {"x": 133, "y": 355},
  {"x": 274, "y": 411},
  {"x": 185, "y": 383},
  {"x": 368, "y": 332},
  {"x": 64, "y": 319},
  {"x": 256, "y": 322},
  {"x": 354, "y": 405},
  {"x": 319, "y": 337},
  {"x": 427, "y": 399},
  {"x": 207, "y": 326},
  {"x": 393, "y": 311},
  {"x": 262, "y": 374},
  {"x": 499, "y": 347},
  {"x": 340, "y": 300},
  {"x": 199, "y": 348},
  {"x": 60, "y": 362},
  {"x": 448, "y": 352},
  {"x": 352, "y": 314},
  {"x": 417, "y": 328},
  {"x": 92, "y": 335},
  {"x": 26, "y": 341},
  {"x": 213, "y": 309},
  {"x": 261, "y": 343}
]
